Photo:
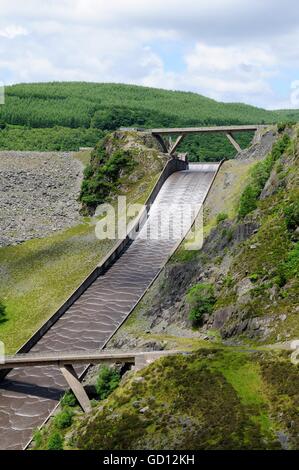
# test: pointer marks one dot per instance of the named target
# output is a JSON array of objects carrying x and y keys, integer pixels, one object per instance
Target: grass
[
  {"x": 83, "y": 156},
  {"x": 246, "y": 379},
  {"x": 225, "y": 194},
  {"x": 35, "y": 283}
]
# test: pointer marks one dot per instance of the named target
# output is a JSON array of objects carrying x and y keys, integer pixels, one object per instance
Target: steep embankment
[
  {"x": 37, "y": 276},
  {"x": 243, "y": 284},
  {"x": 212, "y": 399}
]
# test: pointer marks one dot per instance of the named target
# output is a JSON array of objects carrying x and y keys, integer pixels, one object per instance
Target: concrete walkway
[{"x": 29, "y": 395}]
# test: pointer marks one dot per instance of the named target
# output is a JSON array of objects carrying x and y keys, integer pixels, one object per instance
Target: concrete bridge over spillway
[
  {"x": 28, "y": 395},
  {"x": 181, "y": 132}
]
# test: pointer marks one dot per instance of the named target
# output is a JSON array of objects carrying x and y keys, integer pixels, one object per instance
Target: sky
[{"x": 229, "y": 50}]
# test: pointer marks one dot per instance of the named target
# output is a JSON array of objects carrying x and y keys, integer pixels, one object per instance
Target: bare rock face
[
  {"x": 255, "y": 328},
  {"x": 262, "y": 145},
  {"x": 38, "y": 194},
  {"x": 221, "y": 316}
]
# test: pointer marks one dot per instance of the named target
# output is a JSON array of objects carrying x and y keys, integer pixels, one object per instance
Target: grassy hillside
[{"x": 63, "y": 116}]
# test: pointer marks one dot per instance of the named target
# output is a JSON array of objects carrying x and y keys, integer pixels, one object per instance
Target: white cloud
[
  {"x": 223, "y": 59},
  {"x": 229, "y": 50},
  {"x": 12, "y": 31},
  {"x": 234, "y": 71}
]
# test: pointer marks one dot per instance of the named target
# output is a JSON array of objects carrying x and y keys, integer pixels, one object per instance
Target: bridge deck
[
  {"x": 198, "y": 130},
  {"x": 76, "y": 357}
]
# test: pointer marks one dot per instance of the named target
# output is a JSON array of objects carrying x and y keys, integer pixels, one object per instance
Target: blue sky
[{"x": 229, "y": 50}]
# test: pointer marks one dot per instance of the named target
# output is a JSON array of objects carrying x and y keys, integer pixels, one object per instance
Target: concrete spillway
[{"x": 29, "y": 395}]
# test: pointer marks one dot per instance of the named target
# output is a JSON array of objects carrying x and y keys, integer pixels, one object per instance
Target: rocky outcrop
[{"x": 262, "y": 145}]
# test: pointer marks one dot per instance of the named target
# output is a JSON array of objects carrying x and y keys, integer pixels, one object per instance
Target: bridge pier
[
  {"x": 233, "y": 142},
  {"x": 176, "y": 144},
  {"x": 76, "y": 386},
  {"x": 162, "y": 143}
]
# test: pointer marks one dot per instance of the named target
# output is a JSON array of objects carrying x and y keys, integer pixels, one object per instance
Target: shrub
[
  {"x": 292, "y": 262},
  {"x": 102, "y": 176},
  {"x": 221, "y": 217},
  {"x": 254, "y": 277},
  {"x": 280, "y": 147},
  {"x": 38, "y": 439},
  {"x": 261, "y": 172},
  {"x": 2, "y": 311},
  {"x": 291, "y": 214},
  {"x": 69, "y": 399},
  {"x": 290, "y": 267},
  {"x": 259, "y": 176},
  {"x": 228, "y": 281},
  {"x": 201, "y": 299},
  {"x": 248, "y": 201},
  {"x": 279, "y": 169},
  {"x": 63, "y": 419},
  {"x": 55, "y": 441},
  {"x": 230, "y": 234},
  {"x": 88, "y": 172},
  {"x": 280, "y": 278},
  {"x": 227, "y": 233},
  {"x": 108, "y": 380},
  {"x": 281, "y": 127}
]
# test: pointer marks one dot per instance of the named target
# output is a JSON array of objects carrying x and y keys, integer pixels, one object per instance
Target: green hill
[{"x": 64, "y": 116}]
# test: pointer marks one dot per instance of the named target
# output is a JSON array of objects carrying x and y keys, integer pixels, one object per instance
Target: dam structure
[{"x": 29, "y": 395}]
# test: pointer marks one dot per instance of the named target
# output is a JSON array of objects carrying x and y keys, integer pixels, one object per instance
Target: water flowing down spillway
[{"x": 29, "y": 395}]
